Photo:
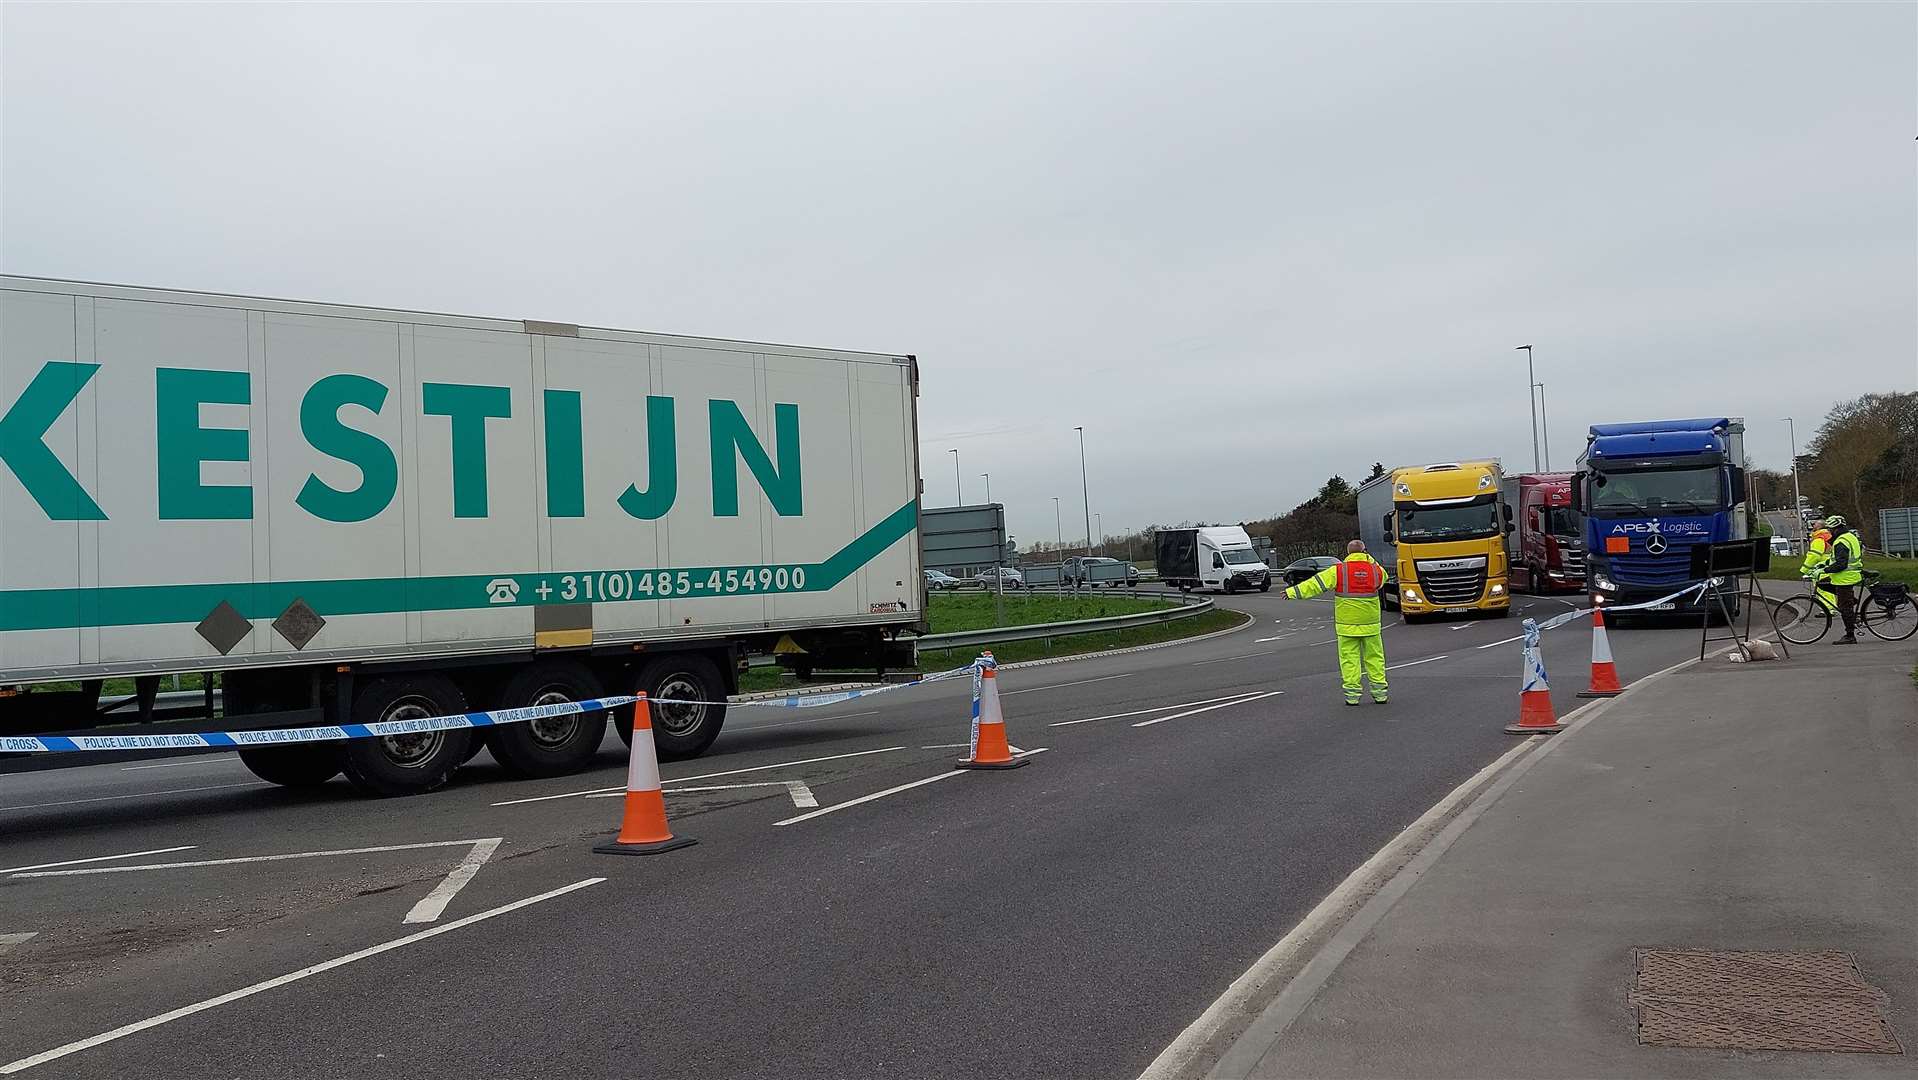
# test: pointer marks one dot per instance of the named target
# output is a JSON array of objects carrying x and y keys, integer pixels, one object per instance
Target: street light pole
[
  {"x": 958, "y": 492},
  {"x": 1058, "y": 528},
  {"x": 1545, "y": 425},
  {"x": 1531, "y": 380},
  {"x": 1099, "y": 523},
  {"x": 988, "y": 477},
  {"x": 1797, "y": 500},
  {"x": 1085, "y": 494}
]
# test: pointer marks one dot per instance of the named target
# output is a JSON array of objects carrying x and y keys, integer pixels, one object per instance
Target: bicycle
[{"x": 1885, "y": 610}]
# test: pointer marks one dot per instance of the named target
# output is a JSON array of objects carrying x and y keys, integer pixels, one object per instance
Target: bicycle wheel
[
  {"x": 1889, "y": 618},
  {"x": 1800, "y": 621}
]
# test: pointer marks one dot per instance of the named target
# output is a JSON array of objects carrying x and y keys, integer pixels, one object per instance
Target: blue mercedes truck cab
[{"x": 1649, "y": 492}]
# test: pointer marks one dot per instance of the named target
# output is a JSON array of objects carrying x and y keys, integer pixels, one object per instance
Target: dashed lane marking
[
  {"x": 1413, "y": 663},
  {"x": 1501, "y": 641},
  {"x": 1059, "y": 686},
  {"x": 801, "y": 795},
  {"x": 138, "y": 795},
  {"x": 8, "y": 941},
  {"x": 433, "y": 904},
  {"x": 702, "y": 776}
]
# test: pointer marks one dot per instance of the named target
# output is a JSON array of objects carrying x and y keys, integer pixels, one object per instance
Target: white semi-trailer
[{"x": 355, "y": 515}]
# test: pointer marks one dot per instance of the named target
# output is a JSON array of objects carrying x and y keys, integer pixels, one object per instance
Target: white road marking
[
  {"x": 1209, "y": 708},
  {"x": 812, "y": 720},
  {"x": 252, "y": 859},
  {"x": 8, "y": 941},
  {"x": 1224, "y": 659},
  {"x": 137, "y": 795},
  {"x": 1245, "y": 990},
  {"x": 946, "y": 746},
  {"x": 1275, "y": 637},
  {"x": 1413, "y": 663},
  {"x": 1057, "y": 686},
  {"x": 836, "y": 807},
  {"x": 135, "y": 1028},
  {"x": 98, "y": 858},
  {"x": 1143, "y": 712},
  {"x": 802, "y": 795},
  {"x": 1463, "y": 626},
  {"x": 1327, "y": 641},
  {"x": 201, "y": 759},
  {"x": 433, "y": 905},
  {"x": 1501, "y": 641},
  {"x": 702, "y": 776}
]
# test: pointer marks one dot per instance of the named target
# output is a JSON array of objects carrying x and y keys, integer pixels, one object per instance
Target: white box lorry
[
  {"x": 1210, "y": 557},
  {"x": 353, "y": 514}
]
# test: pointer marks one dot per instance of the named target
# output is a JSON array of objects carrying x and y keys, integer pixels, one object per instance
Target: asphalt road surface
[{"x": 854, "y": 906}]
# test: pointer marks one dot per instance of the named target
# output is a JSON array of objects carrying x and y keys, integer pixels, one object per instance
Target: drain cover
[{"x": 1815, "y": 1001}]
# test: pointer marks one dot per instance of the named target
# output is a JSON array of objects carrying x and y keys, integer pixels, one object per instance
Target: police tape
[
  {"x": 1579, "y": 613},
  {"x": 486, "y": 718}
]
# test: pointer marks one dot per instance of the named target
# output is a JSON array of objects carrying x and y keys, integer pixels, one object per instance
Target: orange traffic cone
[
  {"x": 643, "y": 831},
  {"x": 1604, "y": 673},
  {"x": 1535, "y": 715},
  {"x": 989, "y": 747}
]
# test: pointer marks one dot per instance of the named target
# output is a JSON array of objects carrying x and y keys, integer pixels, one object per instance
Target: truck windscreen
[
  {"x": 1464, "y": 521},
  {"x": 1696, "y": 491},
  {"x": 1563, "y": 521},
  {"x": 1241, "y": 556}
]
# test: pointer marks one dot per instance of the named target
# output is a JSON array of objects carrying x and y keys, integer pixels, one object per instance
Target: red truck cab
[{"x": 1547, "y": 551}]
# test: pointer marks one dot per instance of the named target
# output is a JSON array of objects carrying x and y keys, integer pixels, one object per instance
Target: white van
[{"x": 1214, "y": 557}]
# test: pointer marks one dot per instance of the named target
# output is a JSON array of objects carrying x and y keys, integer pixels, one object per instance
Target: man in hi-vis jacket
[{"x": 1356, "y": 583}]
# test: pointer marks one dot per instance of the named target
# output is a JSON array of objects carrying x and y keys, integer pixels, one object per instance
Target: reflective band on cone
[
  {"x": 642, "y": 830},
  {"x": 989, "y": 747},
  {"x": 1604, "y": 673},
  {"x": 1535, "y": 715}
]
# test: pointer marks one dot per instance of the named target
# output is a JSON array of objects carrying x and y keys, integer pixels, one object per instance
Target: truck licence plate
[
  {"x": 1663, "y": 607},
  {"x": 1457, "y": 610}
]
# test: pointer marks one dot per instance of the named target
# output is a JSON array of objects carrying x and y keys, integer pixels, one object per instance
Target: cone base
[
  {"x": 1520, "y": 729},
  {"x": 614, "y": 847},
  {"x": 1013, "y": 764},
  {"x": 1599, "y": 693}
]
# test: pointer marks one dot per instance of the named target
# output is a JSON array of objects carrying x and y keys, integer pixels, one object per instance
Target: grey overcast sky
[{"x": 1245, "y": 246}]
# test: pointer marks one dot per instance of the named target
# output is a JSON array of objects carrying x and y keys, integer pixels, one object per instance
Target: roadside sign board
[{"x": 963, "y": 536}]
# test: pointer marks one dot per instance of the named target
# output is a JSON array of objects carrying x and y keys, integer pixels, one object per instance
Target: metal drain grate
[{"x": 1813, "y": 1001}]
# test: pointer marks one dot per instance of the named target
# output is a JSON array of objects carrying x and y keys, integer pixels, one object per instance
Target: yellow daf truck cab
[{"x": 1441, "y": 529}]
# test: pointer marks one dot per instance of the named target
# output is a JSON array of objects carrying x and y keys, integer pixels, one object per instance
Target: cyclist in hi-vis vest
[{"x": 1356, "y": 583}]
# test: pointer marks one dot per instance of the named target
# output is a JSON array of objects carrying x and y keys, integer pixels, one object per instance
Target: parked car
[
  {"x": 939, "y": 579},
  {"x": 985, "y": 579},
  {"x": 1306, "y": 567},
  {"x": 1781, "y": 545},
  {"x": 1078, "y": 570}
]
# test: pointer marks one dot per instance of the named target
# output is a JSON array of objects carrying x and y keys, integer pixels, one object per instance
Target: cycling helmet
[{"x": 1834, "y": 521}]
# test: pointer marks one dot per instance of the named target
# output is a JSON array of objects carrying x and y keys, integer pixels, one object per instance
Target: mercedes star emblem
[{"x": 1655, "y": 544}]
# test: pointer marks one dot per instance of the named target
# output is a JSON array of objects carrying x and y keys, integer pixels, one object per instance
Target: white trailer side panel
[{"x": 426, "y": 484}]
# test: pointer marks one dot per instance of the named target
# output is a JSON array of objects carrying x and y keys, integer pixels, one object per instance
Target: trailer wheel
[
  {"x": 680, "y": 731},
  {"x": 293, "y": 766},
  {"x": 406, "y": 764},
  {"x": 556, "y": 746}
]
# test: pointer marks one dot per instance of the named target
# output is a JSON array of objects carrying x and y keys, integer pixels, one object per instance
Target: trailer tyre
[
  {"x": 406, "y": 764},
  {"x": 293, "y": 766},
  {"x": 680, "y": 731},
  {"x": 555, "y": 746}
]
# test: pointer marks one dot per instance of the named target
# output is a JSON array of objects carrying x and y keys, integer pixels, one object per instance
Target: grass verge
[
  {"x": 952, "y": 613},
  {"x": 1011, "y": 652}
]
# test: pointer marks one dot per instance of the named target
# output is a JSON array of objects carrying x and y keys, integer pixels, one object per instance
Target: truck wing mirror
[
  {"x": 1578, "y": 493},
  {"x": 1738, "y": 486},
  {"x": 1389, "y": 537}
]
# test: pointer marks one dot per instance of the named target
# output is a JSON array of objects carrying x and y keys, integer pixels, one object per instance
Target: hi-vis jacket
[
  {"x": 1356, "y": 582},
  {"x": 1847, "y": 565},
  {"x": 1817, "y": 552}
]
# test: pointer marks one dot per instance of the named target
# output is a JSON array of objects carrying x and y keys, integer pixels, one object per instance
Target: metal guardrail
[{"x": 1036, "y": 631}]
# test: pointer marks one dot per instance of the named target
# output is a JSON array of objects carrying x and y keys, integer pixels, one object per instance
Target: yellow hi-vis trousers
[{"x": 1368, "y": 653}]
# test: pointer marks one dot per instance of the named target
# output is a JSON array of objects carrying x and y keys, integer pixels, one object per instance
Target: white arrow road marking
[
  {"x": 8, "y": 941},
  {"x": 835, "y": 808},
  {"x": 1209, "y": 708},
  {"x": 427, "y": 910},
  {"x": 703, "y": 776},
  {"x": 97, "y": 858},
  {"x": 1141, "y": 712}
]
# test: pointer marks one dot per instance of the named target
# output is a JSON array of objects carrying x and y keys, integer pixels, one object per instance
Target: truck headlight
[
  {"x": 1411, "y": 594},
  {"x": 1602, "y": 583},
  {"x": 1498, "y": 590}
]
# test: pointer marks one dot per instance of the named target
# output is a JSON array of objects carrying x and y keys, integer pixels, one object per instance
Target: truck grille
[
  {"x": 1574, "y": 560},
  {"x": 1451, "y": 586},
  {"x": 1674, "y": 567}
]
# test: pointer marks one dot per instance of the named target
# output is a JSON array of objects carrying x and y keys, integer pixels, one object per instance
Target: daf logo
[{"x": 1655, "y": 543}]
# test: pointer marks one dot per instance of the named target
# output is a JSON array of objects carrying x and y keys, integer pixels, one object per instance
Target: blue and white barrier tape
[
  {"x": 1579, "y": 613},
  {"x": 235, "y": 740}
]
